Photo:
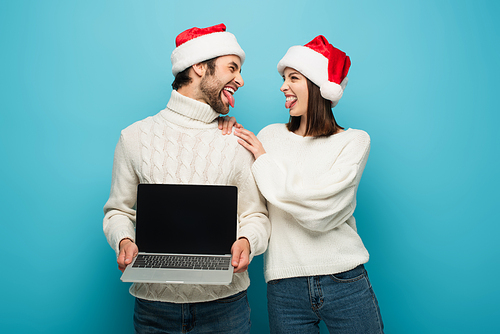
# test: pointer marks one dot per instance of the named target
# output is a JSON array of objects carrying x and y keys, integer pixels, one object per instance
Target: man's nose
[{"x": 239, "y": 80}]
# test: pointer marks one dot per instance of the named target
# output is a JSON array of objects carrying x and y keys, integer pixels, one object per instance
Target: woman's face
[{"x": 296, "y": 93}]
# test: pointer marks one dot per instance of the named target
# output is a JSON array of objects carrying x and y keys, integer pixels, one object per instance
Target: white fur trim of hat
[
  {"x": 196, "y": 45},
  {"x": 322, "y": 63}
]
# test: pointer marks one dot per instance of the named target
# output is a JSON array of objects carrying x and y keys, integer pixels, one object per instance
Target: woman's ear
[{"x": 200, "y": 69}]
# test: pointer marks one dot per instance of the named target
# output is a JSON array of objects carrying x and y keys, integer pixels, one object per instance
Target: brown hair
[
  {"x": 320, "y": 119},
  {"x": 183, "y": 78}
]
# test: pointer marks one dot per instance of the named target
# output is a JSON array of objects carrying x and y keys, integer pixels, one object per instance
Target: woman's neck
[{"x": 302, "y": 127}]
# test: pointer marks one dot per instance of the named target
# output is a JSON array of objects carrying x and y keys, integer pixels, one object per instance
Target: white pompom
[{"x": 331, "y": 91}]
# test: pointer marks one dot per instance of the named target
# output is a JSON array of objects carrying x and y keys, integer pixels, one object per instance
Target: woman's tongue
[
  {"x": 229, "y": 97},
  {"x": 289, "y": 104}
]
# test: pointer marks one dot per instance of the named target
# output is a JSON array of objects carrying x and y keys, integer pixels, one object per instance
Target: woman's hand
[
  {"x": 249, "y": 141},
  {"x": 226, "y": 124}
]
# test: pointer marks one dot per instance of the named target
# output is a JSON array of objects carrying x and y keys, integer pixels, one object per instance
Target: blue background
[{"x": 423, "y": 84}]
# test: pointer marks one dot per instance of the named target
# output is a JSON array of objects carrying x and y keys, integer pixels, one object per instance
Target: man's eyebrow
[{"x": 235, "y": 65}]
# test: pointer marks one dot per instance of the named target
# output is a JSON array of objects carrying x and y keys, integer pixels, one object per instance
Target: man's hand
[
  {"x": 241, "y": 255},
  {"x": 128, "y": 250},
  {"x": 226, "y": 124}
]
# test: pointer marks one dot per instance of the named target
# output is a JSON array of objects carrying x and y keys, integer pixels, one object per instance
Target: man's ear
[{"x": 200, "y": 69}]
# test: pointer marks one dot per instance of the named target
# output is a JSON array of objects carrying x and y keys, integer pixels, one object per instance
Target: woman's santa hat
[
  {"x": 196, "y": 45},
  {"x": 322, "y": 63}
]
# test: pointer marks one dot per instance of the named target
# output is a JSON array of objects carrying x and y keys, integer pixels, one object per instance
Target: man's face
[{"x": 218, "y": 89}]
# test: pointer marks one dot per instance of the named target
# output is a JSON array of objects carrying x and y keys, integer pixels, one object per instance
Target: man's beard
[{"x": 211, "y": 87}]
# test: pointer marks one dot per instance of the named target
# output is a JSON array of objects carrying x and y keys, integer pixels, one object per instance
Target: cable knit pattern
[
  {"x": 191, "y": 157},
  {"x": 182, "y": 144},
  {"x": 310, "y": 185}
]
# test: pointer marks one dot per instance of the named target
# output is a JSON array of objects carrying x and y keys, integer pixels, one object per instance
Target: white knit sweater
[
  {"x": 182, "y": 144},
  {"x": 310, "y": 185}
]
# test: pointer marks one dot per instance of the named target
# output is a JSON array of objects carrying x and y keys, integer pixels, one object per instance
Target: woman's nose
[{"x": 284, "y": 87}]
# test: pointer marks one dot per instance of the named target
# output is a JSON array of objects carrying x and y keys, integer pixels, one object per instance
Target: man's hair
[
  {"x": 183, "y": 78},
  {"x": 320, "y": 119}
]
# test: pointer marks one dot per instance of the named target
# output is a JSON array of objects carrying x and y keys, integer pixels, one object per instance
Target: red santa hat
[
  {"x": 196, "y": 45},
  {"x": 322, "y": 63}
]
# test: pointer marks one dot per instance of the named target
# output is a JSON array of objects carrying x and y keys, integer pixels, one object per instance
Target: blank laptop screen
[{"x": 186, "y": 219}]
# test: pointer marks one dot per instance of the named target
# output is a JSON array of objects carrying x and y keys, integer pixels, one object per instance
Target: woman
[{"x": 309, "y": 170}]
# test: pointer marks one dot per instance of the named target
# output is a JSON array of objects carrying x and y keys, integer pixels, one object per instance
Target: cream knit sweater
[
  {"x": 310, "y": 185},
  {"x": 182, "y": 144}
]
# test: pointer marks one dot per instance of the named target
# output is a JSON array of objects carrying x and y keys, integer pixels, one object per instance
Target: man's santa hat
[
  {"x": 322, "y": 63},
  {"x": 196, "y": 45}
]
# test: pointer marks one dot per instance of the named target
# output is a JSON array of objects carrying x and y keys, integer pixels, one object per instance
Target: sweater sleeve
[
  {"x": 119, "y": 210},
  {"x": 252, "y": 212},
  {"x": 323, "y": 202}
]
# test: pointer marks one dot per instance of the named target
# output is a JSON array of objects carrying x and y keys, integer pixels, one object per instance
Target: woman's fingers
[
  {"x": 244, "y": 134},
  {"x": 226, "y": 124},
  {"x": 220, "y": 120},
  {"x": 250, "y": 141},
  {"x": 245, "y": 145}
]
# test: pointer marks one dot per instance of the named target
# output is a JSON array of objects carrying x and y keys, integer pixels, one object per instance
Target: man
[{"x": 182, "y": 144}]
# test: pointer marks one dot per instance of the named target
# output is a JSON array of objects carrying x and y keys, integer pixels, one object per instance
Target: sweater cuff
[
  {"x": 260, "y": 163},
  {"x": 252, "y": 239},
  {"x": 119, "y": 237}
]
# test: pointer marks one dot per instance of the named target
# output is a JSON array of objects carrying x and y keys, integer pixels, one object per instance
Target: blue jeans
[
  {"x": 344, "y": 301},
  {"x": 229, "y": 315}
]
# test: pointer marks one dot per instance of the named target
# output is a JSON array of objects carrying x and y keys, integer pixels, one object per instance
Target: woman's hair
[
  {"x": 320, "y": 119},
  {"x": 183, "y": 78}
]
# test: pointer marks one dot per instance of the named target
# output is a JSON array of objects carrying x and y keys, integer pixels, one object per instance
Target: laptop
[{"x": 184, "y": 233}]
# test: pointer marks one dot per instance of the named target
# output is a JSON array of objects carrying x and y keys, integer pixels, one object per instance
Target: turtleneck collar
[{"x": 188, "y": 112}]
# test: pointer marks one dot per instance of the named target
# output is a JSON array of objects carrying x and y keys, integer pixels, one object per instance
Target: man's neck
[
  {"x": 181, "y": 109},
  {"x": 192, "y": 92}
]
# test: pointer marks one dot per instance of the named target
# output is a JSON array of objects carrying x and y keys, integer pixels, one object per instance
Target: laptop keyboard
[{"x": 182, "y": 262}]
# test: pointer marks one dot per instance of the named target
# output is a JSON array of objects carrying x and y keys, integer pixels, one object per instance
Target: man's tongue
[{"x": 229, "y": 97}]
